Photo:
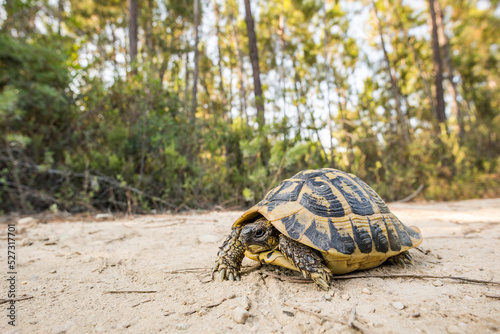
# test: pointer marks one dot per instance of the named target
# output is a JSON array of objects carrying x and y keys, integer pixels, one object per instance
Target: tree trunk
[
  {"x": 225, "y": 106},
  {"x": 194, "y": 101},
  {"x": 328, "y": 57},
  {"x": 60, "y": 11},
  {"x": 403, "y": 126},
  {"x": 327, "y": 102},
  {"x": 239, "y": 66},
  {"x": 194, "y": 149},
  {"x": 149, "y": 29},
  {"x": 186, "y": 79},
  {"x": 254, "y": 58},
  {"x": 443, "y": 42},
  {"x": 438, "y": 66},
  {"x": 298, "y": 95},
  {"x": 132, "y": 26},
  {"x": 265, "y": 149},
  {"x": 281, "y": 34}
]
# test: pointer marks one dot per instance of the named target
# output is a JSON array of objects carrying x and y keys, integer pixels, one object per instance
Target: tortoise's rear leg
[
  {"x": 402, "y": 259},
  {"x": 229, "y": 257},
  {"x": 307, "y": 260}
]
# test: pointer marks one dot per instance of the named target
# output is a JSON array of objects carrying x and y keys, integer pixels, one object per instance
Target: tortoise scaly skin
[
  {"x": 308, "y": 261},
  {"x": 319, "y": 222}
]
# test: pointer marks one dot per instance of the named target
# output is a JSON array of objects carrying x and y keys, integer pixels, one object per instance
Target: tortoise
[{"x": 321, "y": 223}]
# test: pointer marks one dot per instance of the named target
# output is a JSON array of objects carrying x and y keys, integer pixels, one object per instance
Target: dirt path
[{"x": 71, "y": 268}]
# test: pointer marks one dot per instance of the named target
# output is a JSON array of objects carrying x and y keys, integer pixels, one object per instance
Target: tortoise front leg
[
  {"x": 229, "y": 257},
  {"x": 307, "y": 260}
]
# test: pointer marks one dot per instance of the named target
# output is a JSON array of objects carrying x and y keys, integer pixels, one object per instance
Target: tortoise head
[{"x": 259, "y": 236}]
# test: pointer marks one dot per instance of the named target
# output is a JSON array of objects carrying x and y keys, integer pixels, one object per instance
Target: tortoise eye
[{"x": 259, "y": 233}]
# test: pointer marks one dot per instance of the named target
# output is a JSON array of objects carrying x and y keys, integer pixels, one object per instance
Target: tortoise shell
[{"x": 339, "y": 215}]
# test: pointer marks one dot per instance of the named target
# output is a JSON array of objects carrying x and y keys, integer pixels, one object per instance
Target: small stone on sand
[
  {"x": 398, "y": 305},
  {"x": 104, "y": 216},
  {"x": 437, "y": 283},
  {"x": 346, "y": 296},
  {"x": 181, "y": 326},
  {"x": 240, "y": 315}
]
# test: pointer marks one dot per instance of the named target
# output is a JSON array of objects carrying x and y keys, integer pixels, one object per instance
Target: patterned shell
[{"x": 339, "y": 215}]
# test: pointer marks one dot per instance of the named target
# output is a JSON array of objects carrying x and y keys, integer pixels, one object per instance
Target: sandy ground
[{"x": 70, "y": 268}]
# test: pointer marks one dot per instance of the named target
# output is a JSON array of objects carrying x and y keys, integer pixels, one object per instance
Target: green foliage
[
  {"x": 34, "y": 80},
  {"x": 248, "y": 195},
  {"x": 8, "y": 104}
]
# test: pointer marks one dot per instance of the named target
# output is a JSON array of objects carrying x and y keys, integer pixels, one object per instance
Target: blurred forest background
[{"x": 164, "y": 105}]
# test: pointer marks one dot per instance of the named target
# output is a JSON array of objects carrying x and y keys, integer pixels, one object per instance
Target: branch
[
  {"x": 3, "y": 301},
  {"x": 412, "y": 196},
  {"x": 298, "y": 308},
  {"x": 463, "y": 279},
  {"x": 352, "y": 322}
]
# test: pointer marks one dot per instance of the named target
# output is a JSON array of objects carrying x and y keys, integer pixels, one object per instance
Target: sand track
[{"x": 77, "y": 273}]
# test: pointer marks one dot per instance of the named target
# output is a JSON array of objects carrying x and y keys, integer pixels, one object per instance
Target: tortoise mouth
[
  {"x": 255, "y": 249},
  {"x": 254, "y": 245}
]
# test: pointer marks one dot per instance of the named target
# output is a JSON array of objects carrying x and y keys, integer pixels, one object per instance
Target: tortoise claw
[
  {"x": 322, "y": 278},
  {"x": 222, "y": 274},
  {"x": 401, "y": 259},
  {"x": 409, "y": 258},
  {"x": 322, "y": 284},
  {"x": 225, "y": 272}
]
